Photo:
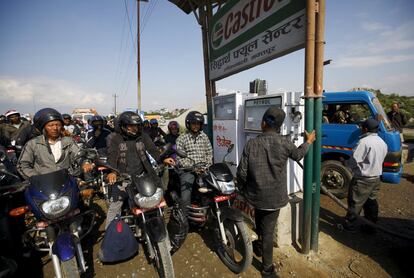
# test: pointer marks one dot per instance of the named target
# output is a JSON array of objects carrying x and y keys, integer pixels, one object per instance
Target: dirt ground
[{"x": 341, "y": 254}]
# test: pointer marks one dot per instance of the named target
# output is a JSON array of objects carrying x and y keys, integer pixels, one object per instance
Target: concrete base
[{"x": 289, "y": 223}]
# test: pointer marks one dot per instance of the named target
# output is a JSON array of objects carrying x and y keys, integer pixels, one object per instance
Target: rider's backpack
[{"x": 119, "y": 242}]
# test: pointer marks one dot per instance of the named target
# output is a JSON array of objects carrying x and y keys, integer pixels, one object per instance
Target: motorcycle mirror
[
  {"x": 230, "y": 148},
  {"x": 181, "y": 153}
]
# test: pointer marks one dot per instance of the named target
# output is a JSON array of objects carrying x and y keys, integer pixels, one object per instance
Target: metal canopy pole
[
  {"x": 318, "y": 87},
  {"x": 309, "y": 121},
  {"x": 205, "y": 12}
]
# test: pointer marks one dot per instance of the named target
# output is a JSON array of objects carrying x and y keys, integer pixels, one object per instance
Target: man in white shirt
[{"x": 366, "y": 165}]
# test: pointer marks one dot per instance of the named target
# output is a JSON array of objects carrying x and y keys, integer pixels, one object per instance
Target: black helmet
[
  {"x": 45, "y": 115},
  {"x": 66, "y": 116},
  {"x": 194, "y": 117},
  {"x": 129, "y": 118},
  {"x": 94, "y": 121},
  {"x": 96, "y": 118}
]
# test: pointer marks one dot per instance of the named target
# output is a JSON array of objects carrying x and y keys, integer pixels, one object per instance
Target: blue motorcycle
[{"x": 56, "y": 224}]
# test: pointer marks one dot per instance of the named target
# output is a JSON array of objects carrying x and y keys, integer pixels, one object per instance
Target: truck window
[
  {"x": 346, "y": 113},
  {"x": 381, "y": 114}
]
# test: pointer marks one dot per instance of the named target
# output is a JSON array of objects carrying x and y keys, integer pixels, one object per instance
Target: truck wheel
[{"x": 336, "y": 178}]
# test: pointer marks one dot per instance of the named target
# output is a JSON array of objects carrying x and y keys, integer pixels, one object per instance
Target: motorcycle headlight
[
  {"x": 55, "y": 208},
  {"x": 148, "y": 202},
  {"x": 226, "y": 187}
]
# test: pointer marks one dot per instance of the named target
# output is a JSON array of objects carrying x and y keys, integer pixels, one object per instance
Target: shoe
[
  {"x": 269, "y": 272},
  {"x": 257, "y": 248},
  {"x": 351, "y": 228}
]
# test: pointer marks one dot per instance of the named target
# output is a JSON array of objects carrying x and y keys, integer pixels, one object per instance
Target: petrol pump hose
[{"x": 363, "y": 219}]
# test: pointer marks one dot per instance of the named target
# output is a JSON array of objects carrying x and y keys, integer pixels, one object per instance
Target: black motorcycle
[
  {"x": 144, "y": 214},
  {"x": 211, "y": 206},
  {"x": 11, "y": 228}
]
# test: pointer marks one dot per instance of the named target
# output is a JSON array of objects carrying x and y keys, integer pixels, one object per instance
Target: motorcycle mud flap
[
  {"x": 231, "y": 213},
  {"x": 177, "y": 228},
  {"x": 64, "y": 247},
  {"x": 156, "y": 229}
]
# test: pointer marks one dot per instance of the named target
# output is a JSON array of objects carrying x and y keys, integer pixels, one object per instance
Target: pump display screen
[
  {"x": 255, "y": 108},
  {"x": 225, "y": 108}
]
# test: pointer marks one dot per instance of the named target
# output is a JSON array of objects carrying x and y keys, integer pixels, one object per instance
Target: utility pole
[{"x": 115, "y": 96}]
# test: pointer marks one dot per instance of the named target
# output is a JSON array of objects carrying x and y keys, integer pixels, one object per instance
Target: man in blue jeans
[{"x": 261, "y": 175}]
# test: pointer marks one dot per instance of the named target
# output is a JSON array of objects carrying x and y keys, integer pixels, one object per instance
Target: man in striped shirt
[{"x": 197, "y": 146}]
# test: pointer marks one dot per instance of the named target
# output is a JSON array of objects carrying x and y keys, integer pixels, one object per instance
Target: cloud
[
  {"x": 41, "y": 92},
  {"x": 370, "y": 61},
  {"x": 374, "y": 26},
  {"x": 380, "y": 45}
]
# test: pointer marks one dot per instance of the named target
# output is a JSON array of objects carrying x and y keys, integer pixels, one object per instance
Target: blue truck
[{"x": 343, "y": 112}]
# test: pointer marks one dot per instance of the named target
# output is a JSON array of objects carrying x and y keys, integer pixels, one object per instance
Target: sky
[{"x": 79, "y": 53}]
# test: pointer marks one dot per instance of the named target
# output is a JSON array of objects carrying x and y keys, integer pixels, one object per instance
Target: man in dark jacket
[
  {"x": 96, "y": 138},
  {"x": 127, "y": 152},
  {"x": 13, "y": 125},
  {"x": 261, "y": 176},
  {"x": 397, "y": 118}
]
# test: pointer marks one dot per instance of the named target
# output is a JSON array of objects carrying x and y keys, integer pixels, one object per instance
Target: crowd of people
[{"x": 48, "y": 144}]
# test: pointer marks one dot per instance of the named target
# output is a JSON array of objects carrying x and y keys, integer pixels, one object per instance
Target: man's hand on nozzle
[
  {"x": 111, "y": 178},
  {"x": 310, "y": 137}
]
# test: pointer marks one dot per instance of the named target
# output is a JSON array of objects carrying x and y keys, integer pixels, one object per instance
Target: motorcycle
[
  {"x": 144, "y": 214},
  {"x": 211, "y": 206},
  {"x": 11, "y": 196},
  {"x": 54, "y": 221}
]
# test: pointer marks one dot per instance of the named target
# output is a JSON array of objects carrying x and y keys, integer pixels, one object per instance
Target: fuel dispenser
[
  {"x": 228, "y": 127},
  {"x": 236, "y": 119}
]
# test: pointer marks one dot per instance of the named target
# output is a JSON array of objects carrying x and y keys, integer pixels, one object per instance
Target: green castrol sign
[{"x": 246, "y": 33}]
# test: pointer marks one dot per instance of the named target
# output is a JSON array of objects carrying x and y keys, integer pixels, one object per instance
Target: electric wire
[
  {"x": 119, "y": 60},
  {"x": 150, "y": 11}
]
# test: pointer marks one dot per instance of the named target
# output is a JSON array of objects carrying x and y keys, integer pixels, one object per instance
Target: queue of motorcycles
[{"x": 57, "y": 214}]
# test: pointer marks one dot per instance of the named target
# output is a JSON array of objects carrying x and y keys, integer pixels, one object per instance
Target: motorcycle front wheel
[
  {"x": 237, "y": 254},
  {"x": 163, "y": 261},
  {"x": 70, "y": 268}
]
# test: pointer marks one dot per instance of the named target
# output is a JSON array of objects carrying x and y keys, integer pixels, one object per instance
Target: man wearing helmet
[
  {"x": 198, "y": 149},
  {"x": 155, "y": 132},
  {"x": 14, "y": 124},
  {"x": 173, "y": 132},
  {"x": 128, "y": 149},
  {"x": 50, "y": 152},
  {"x": 96, "y": 138},
  {"x": 69, "y": 126}
]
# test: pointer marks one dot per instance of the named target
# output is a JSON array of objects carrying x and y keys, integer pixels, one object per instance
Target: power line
[
  {"x": 150, "y": 10},
  {"x": 120, "y": 61},
  {"x": 130, "y": 27}
]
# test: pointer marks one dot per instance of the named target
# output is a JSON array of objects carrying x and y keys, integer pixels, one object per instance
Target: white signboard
[{"x": 246, "y": 33}]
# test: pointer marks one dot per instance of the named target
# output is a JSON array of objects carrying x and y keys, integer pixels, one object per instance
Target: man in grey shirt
[{"x": 366, "y": 165}]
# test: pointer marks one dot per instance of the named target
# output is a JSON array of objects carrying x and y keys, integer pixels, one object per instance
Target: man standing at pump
[
  {"x": 261, "y": 175},
  {"x": 366, "y": 166}
]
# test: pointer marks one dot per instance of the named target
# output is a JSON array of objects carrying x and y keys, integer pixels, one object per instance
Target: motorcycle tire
[
  {"x": 163, "y": 259},
  {"x": 70, "y": 268},
  {"x": 237, "y": 255}
]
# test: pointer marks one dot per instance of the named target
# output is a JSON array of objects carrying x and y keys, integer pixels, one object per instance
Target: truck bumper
[{"x": 392, "y": 177}]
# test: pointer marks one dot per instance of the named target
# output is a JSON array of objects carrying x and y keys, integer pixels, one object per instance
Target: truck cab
[{"x": 343, "y": 112}]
